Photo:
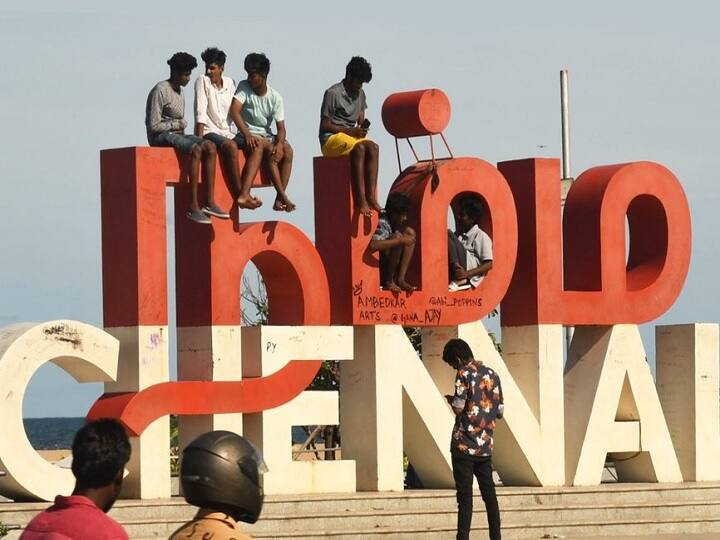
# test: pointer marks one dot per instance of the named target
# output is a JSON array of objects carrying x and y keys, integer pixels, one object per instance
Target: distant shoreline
[
  {"x": 52, "y": 433},
  {"x": 55, "y": 434}
]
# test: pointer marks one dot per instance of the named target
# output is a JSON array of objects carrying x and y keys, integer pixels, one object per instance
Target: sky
[{"x": 644, "y": 85}]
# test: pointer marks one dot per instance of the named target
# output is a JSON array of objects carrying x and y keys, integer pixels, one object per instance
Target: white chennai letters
[{"x": 392, "y": 403}]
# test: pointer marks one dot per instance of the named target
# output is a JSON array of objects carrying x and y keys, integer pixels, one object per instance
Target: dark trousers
[
  {"x": 464, "y": 468},
  {"x": 456, "y": 254}
]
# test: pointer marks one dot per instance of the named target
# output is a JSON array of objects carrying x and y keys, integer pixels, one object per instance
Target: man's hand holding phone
[{"x": 365, "y": 126}]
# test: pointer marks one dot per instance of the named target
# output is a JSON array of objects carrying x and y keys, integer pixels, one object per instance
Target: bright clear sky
[{"x": 644, "y": 84}]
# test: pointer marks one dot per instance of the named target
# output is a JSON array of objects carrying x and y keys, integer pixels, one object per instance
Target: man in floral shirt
[{"x": 477, "y": 403}]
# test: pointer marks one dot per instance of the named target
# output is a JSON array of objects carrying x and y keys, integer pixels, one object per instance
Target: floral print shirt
[{"x": 479, "y": 394}]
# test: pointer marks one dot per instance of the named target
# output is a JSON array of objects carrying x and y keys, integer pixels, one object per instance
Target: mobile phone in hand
[{"x": 365, "y": 124}]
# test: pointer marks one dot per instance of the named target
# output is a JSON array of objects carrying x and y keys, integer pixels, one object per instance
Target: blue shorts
[
  {"x": 216, "y": 138},
  {"x": 239, "y": 140},
  {"x": 179, "y": 141},
  {"x": 241, "y": 143}
]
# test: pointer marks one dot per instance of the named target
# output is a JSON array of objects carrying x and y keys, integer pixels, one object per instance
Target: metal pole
[
  {"x": 567, "y": 178},
  {"x": 565, "y": 117}
]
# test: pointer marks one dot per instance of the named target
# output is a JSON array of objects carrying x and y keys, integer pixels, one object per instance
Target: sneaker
[
  {"x": 214, "y": 210},
  {"x": 198, "y": 217},
  {"x": 454, "y": 286}
]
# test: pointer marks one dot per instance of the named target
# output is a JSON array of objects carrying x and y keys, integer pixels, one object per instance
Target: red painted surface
[
  {"x": 210, "y": 262},
  {"x": 342, "y": 238},
  {"x": 599, "y": 287},
  {"x": 137, "y": 410},
  {"x": 570, "y": 273},
  {"x": 416, "y": 113},
  {"x": 134, "y": 233}
]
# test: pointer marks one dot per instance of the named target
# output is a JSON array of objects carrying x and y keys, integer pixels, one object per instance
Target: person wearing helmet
[{"x": 220, "y": 473}]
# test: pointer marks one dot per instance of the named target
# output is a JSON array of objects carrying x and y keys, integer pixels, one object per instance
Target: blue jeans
[{"x": 179, "y": 141}]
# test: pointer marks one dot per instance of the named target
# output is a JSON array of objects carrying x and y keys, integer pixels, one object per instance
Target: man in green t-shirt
[{"x": 255, "y": 107}]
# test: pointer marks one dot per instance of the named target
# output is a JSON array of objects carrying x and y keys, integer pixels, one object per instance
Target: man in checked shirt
[{"x": 477, "y": 404}]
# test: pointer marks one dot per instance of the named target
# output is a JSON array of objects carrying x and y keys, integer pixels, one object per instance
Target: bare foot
[
  {"x": 282, "y": 203},
  {"x": 364, "y": 209},
  {"x": 375, "y": 205},
  {"x": 405, "y": 286},
  {"x": 251, "y": 203},
  {"x": 391, "y": 286}
]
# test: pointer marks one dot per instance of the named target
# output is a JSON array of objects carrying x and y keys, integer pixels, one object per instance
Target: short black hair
[
  {"x": 454, "y": 349},
  {"x": 182, "y": 62},
  {"x": 396, "y": 203},
  {"x": 100, "y": 451},
  {"x": 257, "y": 63},
  {"x": 213, "y": 55},
  {"x": 359, "y": 69},
  {"x": 472, "y": 206}
]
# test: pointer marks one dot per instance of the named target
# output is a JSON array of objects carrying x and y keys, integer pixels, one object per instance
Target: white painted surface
[
  {"x": 389, "y": 404},
  {"x": 688, "y": 379},
  {"x": 85, "y": 352},
  {"x": 612, "y": 406},
  {"x": 143, "y": 362},
  {"x": 529, "y": 440}
]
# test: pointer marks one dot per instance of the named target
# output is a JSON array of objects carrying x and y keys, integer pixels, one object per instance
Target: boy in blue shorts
[{"x": 255, "y": 107}]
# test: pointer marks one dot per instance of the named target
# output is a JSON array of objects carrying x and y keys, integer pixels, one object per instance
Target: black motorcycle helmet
[{"x": 221, "y": 470}]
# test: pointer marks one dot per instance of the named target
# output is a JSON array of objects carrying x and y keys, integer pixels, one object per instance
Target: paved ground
[{"x": 708, "y": 536}]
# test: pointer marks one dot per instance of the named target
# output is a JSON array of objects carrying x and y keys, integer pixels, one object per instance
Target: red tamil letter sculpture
[
  {"x": 581, "y": 276},
  {"x": 342, "y": 236},
  {"x": 209, "y": 266}
]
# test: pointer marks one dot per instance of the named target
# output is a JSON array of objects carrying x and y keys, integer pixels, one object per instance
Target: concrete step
[
  {"x": 565, "y": 519},
  {"x": 424, "y": 500},
  {"x": 274, "y": 526},
  {"x": 526, "y": 513},
  {"x": 671, "y": 529},
  {"x": 519, "y": 532}
]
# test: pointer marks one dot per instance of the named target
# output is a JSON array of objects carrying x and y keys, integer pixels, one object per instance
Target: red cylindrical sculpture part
[{"x": 416, "y": 113}]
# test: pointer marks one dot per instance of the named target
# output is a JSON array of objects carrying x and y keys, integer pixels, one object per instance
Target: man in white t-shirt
[
  {"x": 254, "y": 109},
  {"x": 469, "y": 248},
  {"x": 213, "y": 96}
]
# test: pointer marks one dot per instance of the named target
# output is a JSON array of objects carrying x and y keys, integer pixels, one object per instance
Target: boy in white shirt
[
  {"x": 255, "y": 107},
  {"x": 469, "y": 248},
  {"x": 213, "y": 96}
]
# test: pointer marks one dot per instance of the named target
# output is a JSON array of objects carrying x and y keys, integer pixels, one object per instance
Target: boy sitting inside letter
[
  {"x": 395, "y": 241},
  {"x": 470, "y": 248}
]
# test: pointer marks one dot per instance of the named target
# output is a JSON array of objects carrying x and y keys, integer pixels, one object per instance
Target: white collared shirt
[
  {"x": 212, "y": 105},
  {"x": 479, "y": 249}
]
